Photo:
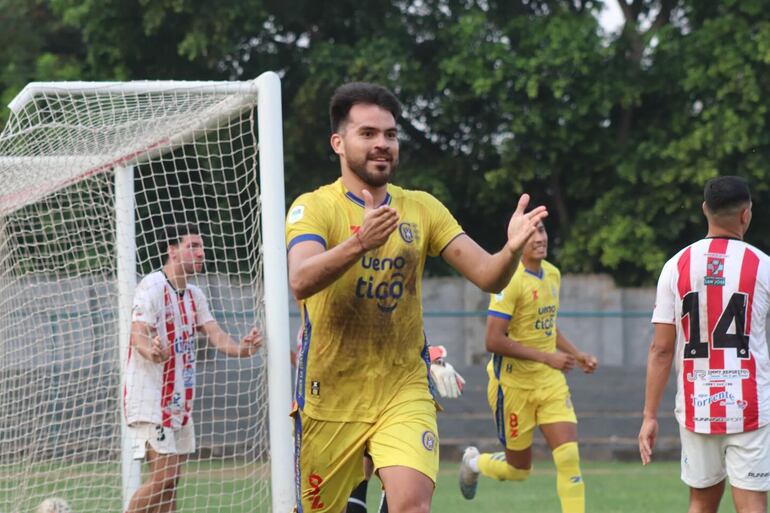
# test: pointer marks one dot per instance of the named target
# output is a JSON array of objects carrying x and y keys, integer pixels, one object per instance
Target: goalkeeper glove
[{"x": 448, "y": 381}]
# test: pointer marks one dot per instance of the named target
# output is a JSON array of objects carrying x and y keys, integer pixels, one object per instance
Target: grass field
[
  {"x": 223, "y": 487},
  {"x": 610, "y": 488}
]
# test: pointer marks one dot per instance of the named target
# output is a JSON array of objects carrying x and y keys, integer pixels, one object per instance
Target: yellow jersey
[
  {"x": 363, "y": 336},
  {"x": 530, "y": 304}
]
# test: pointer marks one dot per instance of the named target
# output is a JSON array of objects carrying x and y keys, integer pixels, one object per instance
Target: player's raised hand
[
  {"x": 159, "y": 351},
  {"x": 251, "y": 342},
  {"x": 647, "y": 435},
  {"x": 560, "y": 361},
  {"x": 587, "y": 362},
  {"x": 522, "y": 225},
  {"x": 378, "y": 224}
]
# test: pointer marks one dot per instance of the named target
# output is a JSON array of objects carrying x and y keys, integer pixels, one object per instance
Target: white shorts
[
  {"x": 742, "y": 457},
  {"x": 162, "y": 440}
]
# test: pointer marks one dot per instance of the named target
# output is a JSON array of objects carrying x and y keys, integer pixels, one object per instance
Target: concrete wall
[{"x": 611, "y": 322}]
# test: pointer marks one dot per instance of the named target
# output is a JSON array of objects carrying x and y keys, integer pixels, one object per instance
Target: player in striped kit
[
  {"x": 160, "y": 374},
  {"x": 710, "y": 311}
]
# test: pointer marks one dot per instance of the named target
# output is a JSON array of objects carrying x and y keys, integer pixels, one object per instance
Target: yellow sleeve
[
  {"x": 444, "y": 228},
  {"x": 503, "y": 304},
  {"x": 306, "y": 220}
]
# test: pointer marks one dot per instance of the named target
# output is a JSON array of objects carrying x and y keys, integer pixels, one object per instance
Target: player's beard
[{"x": 374, "y": 178}]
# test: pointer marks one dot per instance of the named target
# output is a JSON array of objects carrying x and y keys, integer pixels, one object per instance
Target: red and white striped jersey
[
  {"x": 162, "y": 393},
  {"x": 716, "y": 291}
]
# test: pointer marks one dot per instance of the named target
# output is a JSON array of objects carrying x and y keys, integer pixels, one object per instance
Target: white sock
[{"x": 473, "y": 463}]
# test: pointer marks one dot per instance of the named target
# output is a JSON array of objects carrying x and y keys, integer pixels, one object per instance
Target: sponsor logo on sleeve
[{"x": 296, "y": 214}]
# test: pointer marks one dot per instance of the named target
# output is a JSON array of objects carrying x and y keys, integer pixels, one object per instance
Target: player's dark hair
[
  {"x": 726, "y": 193},
  {"x": 353, "y": 93},
  {"x": 174, "y": 234}
]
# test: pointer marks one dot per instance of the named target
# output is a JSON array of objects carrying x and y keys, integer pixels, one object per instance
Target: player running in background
[
  {"x": 160, "y": 374},
  {"x": 710, "y": 314},
  {"x": 357, "y": 250},
  {"x": 527, "y": 387}
]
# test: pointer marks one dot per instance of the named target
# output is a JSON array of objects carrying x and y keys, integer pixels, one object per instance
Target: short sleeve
[
  {"x": 146, "y": 307},
  {"x": 665, "y": 296},
  {"x": 444, "y": 228},
  {"x": 307, "y": 220},
  {"x": 202, "y": 311},
  {"x": 503, "y": 304}
]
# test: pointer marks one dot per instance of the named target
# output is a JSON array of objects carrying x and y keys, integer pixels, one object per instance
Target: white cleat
[{"x": 469, "y": 480}]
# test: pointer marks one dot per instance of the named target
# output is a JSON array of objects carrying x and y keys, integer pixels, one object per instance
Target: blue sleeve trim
[
  {"x": 304, "y": 237},
  {"x": 492, "y": 313},
  {"x": 450, "y": 242}
]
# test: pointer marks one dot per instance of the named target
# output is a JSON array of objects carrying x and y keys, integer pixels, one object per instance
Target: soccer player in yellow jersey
[
  {"x": 356, "y": 251},
  {"x": 527, "y": 387}
]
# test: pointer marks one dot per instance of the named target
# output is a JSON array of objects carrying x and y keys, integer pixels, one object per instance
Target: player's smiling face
[
  {"x": 537, "y": 245},
  {"x": 367, "y": 144},
  {"x": 190, "y": 254}
]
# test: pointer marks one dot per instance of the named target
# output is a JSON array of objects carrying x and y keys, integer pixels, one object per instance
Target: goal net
[{"x": 90, "y": 175}]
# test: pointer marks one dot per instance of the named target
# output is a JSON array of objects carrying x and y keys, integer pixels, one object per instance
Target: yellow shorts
[
  {"x": 329, "y": 455},
  {"x": 517, "y": 411}
]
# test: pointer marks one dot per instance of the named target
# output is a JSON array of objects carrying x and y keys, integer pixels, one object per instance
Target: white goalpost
[{"x": 90, "y": 175}]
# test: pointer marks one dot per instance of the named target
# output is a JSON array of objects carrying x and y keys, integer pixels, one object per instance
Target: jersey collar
[
  {"x": 539, "y": 275},
  {"x": 360, "y": 202},
  {"x": 179, "y": 292}
]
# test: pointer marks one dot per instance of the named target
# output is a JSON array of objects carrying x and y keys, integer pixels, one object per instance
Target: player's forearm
[
  {"x": 141, "y": 339},
  {"x": 223, "y": 342},
  {"x": 659, "y": 362},
  {"x": 562, "y": 344},
  {"x": 500, "y": 344},
  {"x": 495, "y": 271},
  {"x": 319, "y": 271}
]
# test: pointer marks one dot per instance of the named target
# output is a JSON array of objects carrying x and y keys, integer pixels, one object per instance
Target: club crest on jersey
[
  {"x": 428, "y": 440},
  {"x": 406, "y": 230},
  {"x": 714, "y": 273}
]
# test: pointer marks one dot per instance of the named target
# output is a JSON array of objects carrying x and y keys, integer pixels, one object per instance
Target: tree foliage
[{"x": 615, "y": 132}]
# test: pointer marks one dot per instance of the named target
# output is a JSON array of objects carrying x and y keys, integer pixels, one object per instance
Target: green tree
[{"x": 615, "y": 133}]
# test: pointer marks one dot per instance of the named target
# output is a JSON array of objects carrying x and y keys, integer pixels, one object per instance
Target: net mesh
[{"x": 195, "y": 158}]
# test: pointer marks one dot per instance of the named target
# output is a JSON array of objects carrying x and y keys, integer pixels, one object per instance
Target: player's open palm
[
  {"x": 378, "y": 224},
  {"x": 522, "y": 225}
]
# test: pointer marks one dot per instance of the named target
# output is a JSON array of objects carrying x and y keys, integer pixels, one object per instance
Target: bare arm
[
  {"x": 225, "y": 343},
  {"x": 312, "y": 268},
  {"x": 498, "y": 342},
  {"x": 144, "y": 338},
  {"x": 659, "y": 360},
  {"x": 587, "y": 362},
  {"x": 491, "y": 273}
]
